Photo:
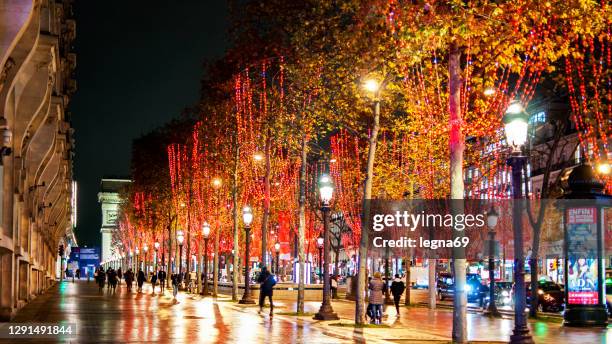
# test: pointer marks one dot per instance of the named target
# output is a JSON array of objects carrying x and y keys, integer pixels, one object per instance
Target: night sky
[{"x": 139, "y": 64}]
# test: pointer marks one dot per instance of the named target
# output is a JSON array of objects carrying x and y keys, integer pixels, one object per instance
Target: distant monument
[{"x": 109, "y": 198}]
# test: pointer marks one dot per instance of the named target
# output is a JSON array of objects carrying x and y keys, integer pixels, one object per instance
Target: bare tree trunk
[
  {"x": 367, "y": 195},
  {"x": 266, "y": 201},
  {"x": 431, "y": 284},
  {"x": 302, "y": 226},
  {"x": 408, "y": 287},
  {"x": 457, "y": 146},
  {"x": 236, "y": 227}
]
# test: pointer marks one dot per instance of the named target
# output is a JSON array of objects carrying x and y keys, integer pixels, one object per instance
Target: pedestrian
[
  {"x": 78, "y": 273},
  {"x": 129, "y": 278},
  {"x": 140, "y": 279},
  {"x": 334, "y": 287},
  {"x": 376, "y": 287},
  {"x": 107, "y": 277},
  {"x": 267, "y": 282},
  {"x": 101, "y": 279},
  {"x": 397, "y": 289},
  {"x": 153, "y": 282},
  {"x": 112, "y": 279},
  {"x": 119, "y": 277},
  {"x": 176, "y": 280},
  {"x": 161, "y": 277}
]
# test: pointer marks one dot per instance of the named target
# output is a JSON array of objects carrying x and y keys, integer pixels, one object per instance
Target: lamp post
[
  {"x": 156, "y": 247},
  {"x": 515, "y": 127},
  {"x": 145, "y": 248},
  {"x": 137, "y": 251},
  {"x": 326, "y": 190},
  {"x": 277, "y": 249},
  {"x": 492, "y": 217},
  {"x": 205, "y": 234},
  {"x": 180, "y": 237},
  {"x": 320, "y": 242},
  {"x": 131, "y": 261},
  {"x": 247, "y": 218}
]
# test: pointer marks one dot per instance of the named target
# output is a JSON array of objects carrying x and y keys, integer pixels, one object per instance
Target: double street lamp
[
  {"x": 515, "y": 126},
  {"x": 320, "y": 241},
  {"x": 326, "y": 190},
  {"x": 247, "y": 218},
  {"x": 205, "y": 234}
]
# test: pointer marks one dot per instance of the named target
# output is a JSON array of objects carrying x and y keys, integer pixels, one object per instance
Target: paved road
[{"x": 130, "y": 317}]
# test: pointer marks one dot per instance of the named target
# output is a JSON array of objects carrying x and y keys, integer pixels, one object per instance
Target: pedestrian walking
[
  {"x": 113, "y": 279},
  {"x": 108, "y": 285},
  {"x": 140, "y": 279},
  {"x": 119, "y": 276},
  {"x": 153, "y": 282},
  {"x": 397, "y": 289},
  {"x": 161, "y": 277},
  {"x": 101, "y": 279},
  {"x": 267, "y": 282},
  {"x": 376, "y": 287},
  {"x": 176, "y": 280},
  {"x": 78, "y": 273},
  {"x": 129, "y": 278}
]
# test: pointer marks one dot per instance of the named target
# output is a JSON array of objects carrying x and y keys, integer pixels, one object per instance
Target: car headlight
[{"x": 505, "y": 293}]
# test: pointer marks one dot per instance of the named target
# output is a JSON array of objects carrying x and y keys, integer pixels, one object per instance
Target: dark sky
[{"x": 138, "y": 65}]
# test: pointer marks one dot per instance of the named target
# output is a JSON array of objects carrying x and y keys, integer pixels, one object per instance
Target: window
[{"x": 538, "y": 118}]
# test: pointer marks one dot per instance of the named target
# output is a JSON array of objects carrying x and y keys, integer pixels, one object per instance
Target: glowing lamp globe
[
  {"x": 277, "y": 246},
  {"x": 320, "y": 241},
  {"x": 180, "y": 237},
  {"x": 206, "y": 230},
  {"x": 326, "y": 189},
  {"x": 516, "y": 125},
  {"x": 247, "y": 215},
  {"x": 492, "y": 218}
]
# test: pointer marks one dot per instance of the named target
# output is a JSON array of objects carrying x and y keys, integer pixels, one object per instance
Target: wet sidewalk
[{"x": 123, "y": 317}]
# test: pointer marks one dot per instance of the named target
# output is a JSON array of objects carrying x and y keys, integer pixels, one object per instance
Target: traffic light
[{"x": 61, "y": 250}]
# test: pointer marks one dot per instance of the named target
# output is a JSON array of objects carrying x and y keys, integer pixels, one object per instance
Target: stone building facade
[
  {"x": 110, "y": 199},
  {"x": 36, "y": 147}
]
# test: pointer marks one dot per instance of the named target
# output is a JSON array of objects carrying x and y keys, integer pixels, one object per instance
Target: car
[
  {"x": 503, "y": 294},
  {"x": 445, "y": 286},
  {"x": 550, "y": 296}
]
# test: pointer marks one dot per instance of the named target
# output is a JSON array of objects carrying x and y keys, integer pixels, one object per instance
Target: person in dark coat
[
  {"x": 119, "y": 275},
  {"x": 266, "y": 281},
  {"x": 112, "y": 279},
  {"x": 140, "y": 279},
  {"x": 397, "y": 289},
  {"x": 101, "y": 278},
  {"x": 161, "y": 277},
  {"x": 153, "y": 281},
  {"x": 78, "y": 273},
  {"x": 376, "y": 287},
  {"x": 129, "y": 278}
]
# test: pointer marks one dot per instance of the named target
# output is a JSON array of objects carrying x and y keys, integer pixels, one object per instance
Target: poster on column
[{"x": 582, "y": 251}]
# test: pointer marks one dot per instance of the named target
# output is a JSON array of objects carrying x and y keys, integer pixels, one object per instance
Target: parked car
[
  {"x": 445, "y": 286},
  {"x": 550, "y": 296},
  {"x": 503, "y": 294}
]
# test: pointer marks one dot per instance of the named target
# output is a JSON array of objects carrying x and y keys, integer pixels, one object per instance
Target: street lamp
[
  {"x": 320, "y": 241},
  {"x": 205, "y": 234},
  {"x": 371, "y": 85},
  {"x": 277, "y": 249},
  {"x": 492, "y": 218},
  {"x": 145, "y": 248},
  {"x": 604, "y": 168},
  {"x": 180, "y": 237},
  {"x": 515, "y": 127},
  {"x": 137, "y": 252},
  {"x": 326, "y": 190},
  {"x": 247, "y": 218},
  {"x": 156, "y": 247}
]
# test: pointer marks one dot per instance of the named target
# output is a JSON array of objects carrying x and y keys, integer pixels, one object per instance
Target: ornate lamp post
[
  {"x": 205, "y": 234},
  {"x": 320, "y": 242},
  {"x": 247, "y": 218},
  {"x": 130, "y": 263},
  {"x": 492, "y": 217},
  {"x": 515, "y": 127},
  {"x": 180, "y": 237},
  {"x": 326, "y": 190},
  {"x": 277, "y": 249}
]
